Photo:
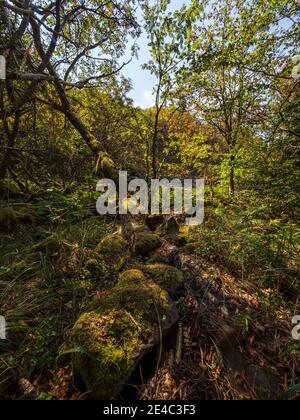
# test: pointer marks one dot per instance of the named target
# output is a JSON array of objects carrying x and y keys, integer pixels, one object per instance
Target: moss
[
  {"x": 154, "y": 220},
  {"x": 167, "y": 277},
  {"x": 110, "y": 346},
  {"x": 193, "y": 247},
  {"x": 140, "y": 296},
  {"x": 119, "y": 330},
  {"x": 145, "y": 243},
  {"x": 96, "y": 269},
  {"x": 106, "y": 168},
  {"x": 114, "y": 250},
  {"x": 141, "y": 229}
]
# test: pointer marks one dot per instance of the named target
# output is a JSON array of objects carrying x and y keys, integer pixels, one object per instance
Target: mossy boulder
[
  {"x": 145, "y": 243},
  {"x": 110, "y": 345},
  {"x": 141, "y": 228},
  {"x": 154, "y": 220},
  {"x": 167, "y": 277},
  {"x": 129, "y": 231},
  {"x": 95, "y": 269},
  {"x": 169, "y": 227},
  {"x": 139, "y": 295},
  {"x": 114, "y": 251},
  {"x": 121, "y": 328}
]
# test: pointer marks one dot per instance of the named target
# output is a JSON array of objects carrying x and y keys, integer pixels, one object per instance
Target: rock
[
  {"x": 167, "y": 253},
  {"x": 167, "y": 277},
  {"x": 153, "y": 221},
  {"x": 113, "y": 251},
  {"x": 145, "y": 243},
  {"x": 141, "y": 228},
  {"x": 110, "y": 346},
  {"x": 96, "y": 268},
  {"x": 169, "y": 227},
  {"x": 122, "y": 327}
]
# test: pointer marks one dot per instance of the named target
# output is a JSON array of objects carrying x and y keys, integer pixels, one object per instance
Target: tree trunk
[
  {"x": 11, "y": 138},
  {"x": 154, "y": 145},
  {"x": 232, "y": 176}
]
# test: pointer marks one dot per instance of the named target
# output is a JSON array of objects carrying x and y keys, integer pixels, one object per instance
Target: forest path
[{"x": 212, "y": 354}]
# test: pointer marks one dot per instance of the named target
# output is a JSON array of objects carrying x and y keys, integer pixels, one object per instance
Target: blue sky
[{"x": 143, "y": 82}]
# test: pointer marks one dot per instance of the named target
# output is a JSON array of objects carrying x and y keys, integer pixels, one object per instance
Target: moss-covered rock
[
  {"x": 141, "y": 228},
  {"x": 137, "y": 294},
  {"x": 130, "y": 230},
  {"x": 95, "y": 268},
  {"x": 114, "y": 250},
  {"x": 154, "y": 220},
  {"x": 167, "y": 277},
  {"x": 123, "y": 325},
  {"x": 110, "y": 346},
  {"x": 145, "y": 243},
  {"x": 169, "y": 227}
]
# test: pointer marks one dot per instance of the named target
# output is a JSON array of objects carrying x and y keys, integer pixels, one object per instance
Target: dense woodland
[{"x": 98, "y": 307}]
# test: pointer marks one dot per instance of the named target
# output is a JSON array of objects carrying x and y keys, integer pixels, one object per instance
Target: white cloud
[{"x": 145, "y": 99}]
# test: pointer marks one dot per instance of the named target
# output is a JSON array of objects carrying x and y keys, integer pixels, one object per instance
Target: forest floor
[
  {"x": 228, "y": 345},
  {"x": 233, "y": 339}
]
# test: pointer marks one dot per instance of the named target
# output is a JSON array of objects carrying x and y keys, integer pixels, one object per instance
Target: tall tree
[
  {"x": 166, "y": 35},
  {"x": 232, "y": 84},
  {"x": 52, "y": 48}
]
